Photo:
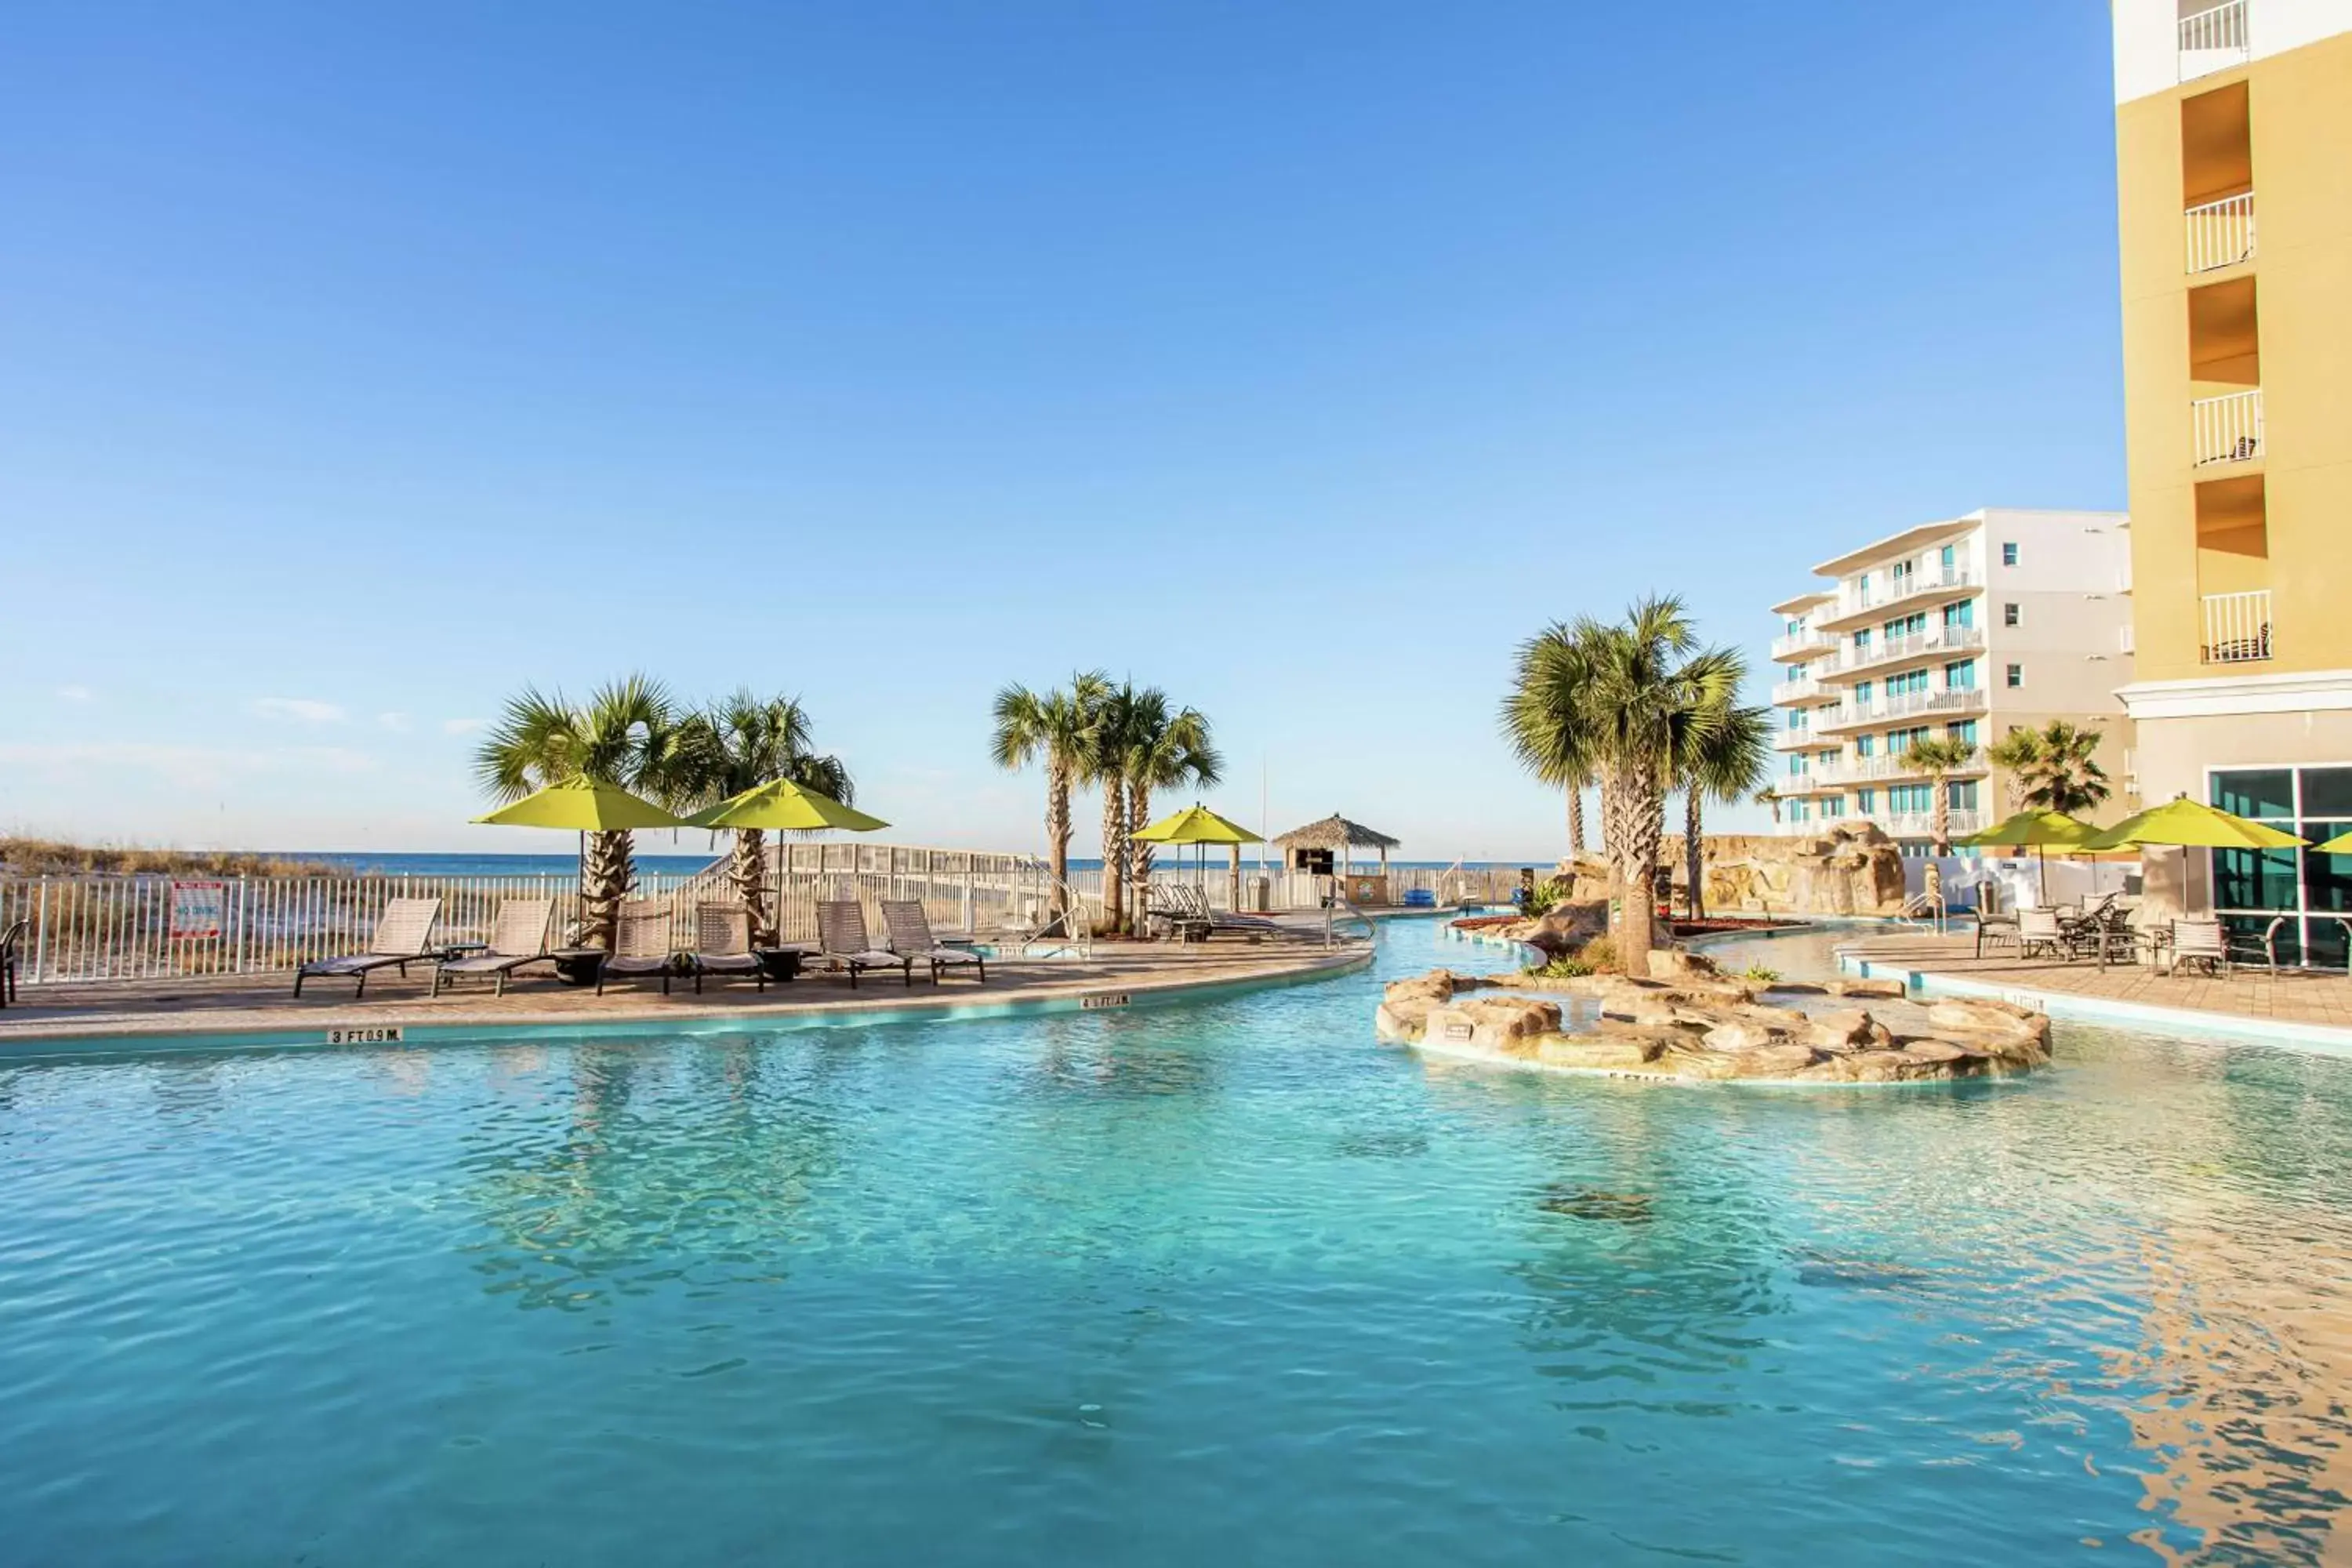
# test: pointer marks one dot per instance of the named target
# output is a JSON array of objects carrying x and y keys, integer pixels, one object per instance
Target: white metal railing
[
  {"x": 1795, "y": 738},
  {"x": 2237, "y": 628},
  {"x": 2214, "y": 39},
  {"x": 1910, "y": 585},
  {"x": 2228, "y": 428},
  {"x": 2221, "y": 233},
  {"x": 1804, "y": 690},
  {"x": 1800, "y": 642},
  {"x": 1943, "y": 639},
  {"x": 1870, "y": 769},
  {"x": 1845, "y": 716},
  {"x": 1922, "y": 824}
]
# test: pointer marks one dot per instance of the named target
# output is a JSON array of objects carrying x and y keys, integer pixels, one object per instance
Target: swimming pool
[{"x": 1226, "y": 1281}]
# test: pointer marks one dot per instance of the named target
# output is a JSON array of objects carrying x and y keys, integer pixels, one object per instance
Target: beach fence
[{"x": 87, "y": 927}]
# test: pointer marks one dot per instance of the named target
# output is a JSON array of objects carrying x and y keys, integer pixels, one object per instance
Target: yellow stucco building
[{"x": 2234, "y": 155}]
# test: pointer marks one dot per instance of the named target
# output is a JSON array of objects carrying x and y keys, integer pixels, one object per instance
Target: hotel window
[
  {"x": 2009, "y": 554},
  {"x": 1911, "y": 798},
  {"x": 1964, "y": 731},
  {"x": 1826, "y": 758},
  {"x": 1833, "y": 806},
  {"x": 2012, "y": 615},
  {"x": 1962, "y": 795},
  {"x": 1865, "y": 745},
  {"x": 1960, "y": 677},
  {"x": 1862, "y": 641},
  {"x": 2252, "y": 887},
  {"x": 2016, "y": 676},
  {"x": 1798, "y": 767},
  {"x": 1796, "y": 811},
  {"x": 1861, "y": 690},
  {"x": 1909, "y": 625},
  {"x": 1900, "y": 579},
  {"x": 1865, "y": 801},
  {"x": 1908, "y": 683},
  {"x": 1960, "y": 616},
  {"x": 1948, "y": 558}
]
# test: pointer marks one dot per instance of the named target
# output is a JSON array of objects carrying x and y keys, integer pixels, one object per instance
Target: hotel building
[
  {"x": 1962, "y": 630},
  {"x": 2234, "y": 163}
]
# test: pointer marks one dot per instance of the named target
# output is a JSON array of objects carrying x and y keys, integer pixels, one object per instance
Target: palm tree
[
  {"x": 1114, "y": 734},
  {"x": 1163, "y": 750},
  {"x": 1724, "y": 764},
  {"x": 1576, "y": 817},
  {"x": 2064, "y": 776},
  {"x": 1056, "y": 727},
  {"x": 1769, "y": 796},
  {"x": 739, "y": 744},
  {"x": 2016, "y": 755},
  {"x": 1621, "y": 702},
  {"x": 1940, "y": 758},
  {"x": 627, "y": 734}
]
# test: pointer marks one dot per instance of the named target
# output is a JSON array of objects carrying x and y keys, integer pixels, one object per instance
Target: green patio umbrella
[
  {"x": 2039, "y": 831},
  {"x": 785, "y": 806},
  {"x": 583, "y": 806}
]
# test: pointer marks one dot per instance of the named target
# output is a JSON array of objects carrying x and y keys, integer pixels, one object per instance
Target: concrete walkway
[
  {"x": 1119, "y": 973},
  {"x": 2302, "y": 997}
]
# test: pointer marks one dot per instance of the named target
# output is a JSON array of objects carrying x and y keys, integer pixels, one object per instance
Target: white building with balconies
[{"x": 1964, "y": 630}]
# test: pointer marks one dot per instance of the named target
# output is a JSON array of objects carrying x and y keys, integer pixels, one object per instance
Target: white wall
[
  {"x": 2147, "y": 37},
  {"x": 2274, "y": 26}
]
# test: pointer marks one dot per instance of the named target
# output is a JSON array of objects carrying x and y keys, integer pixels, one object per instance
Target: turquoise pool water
[{"x": 1228, "y": 1282}]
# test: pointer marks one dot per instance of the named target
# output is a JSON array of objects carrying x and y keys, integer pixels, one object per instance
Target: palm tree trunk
[
  {"x": 1139, "y": 854},
  {"x": 1940, "y": 824},
  {"x": 605, "y": 878},
  {"x": 1694, "y": 862},
  {"x": 749, "y": 871},
  {"x": 1632, "y": 818},
  {"x": 1057, "y": 841},
  {"x": 1576, "y": 819},
  {"x": 1114, "y": 849}
]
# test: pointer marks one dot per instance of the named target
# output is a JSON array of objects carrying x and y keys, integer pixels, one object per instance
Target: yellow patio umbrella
[
  {"x": 2039, "y": 831},
  {"x": 2339, "y": 845},
  {"x": 785, "y": 806},
  {"x": 2186, "y": 823},
  {"x": 1198, "y": 824},
  {"x": 583, "y": 806}
]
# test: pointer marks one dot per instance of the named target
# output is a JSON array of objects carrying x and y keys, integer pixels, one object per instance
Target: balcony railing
[
  {"x": 2237, "y": 628},
  {"x": 1804, "y": 642},
  {"x": 2221, "y": 233},
  {"x": 1793, "y": 740},
  {"x": 1804, "y": 690},
  {"x": 1908, "y": 586},
  {"x": 1875, "y": 770},
  {"x": 2227, "y": 430},
  {"x": 1851, "y": 715},
  {"x": 1944, "y": 639},
  {"x": 1922, "y": 824},
  {"x": 2214, "y": 39}
]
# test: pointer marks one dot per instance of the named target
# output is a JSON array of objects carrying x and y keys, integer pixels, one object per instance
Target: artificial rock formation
[
  {"x": 1701, "y": 1026},
  {"x": 1849, "y": 868}
]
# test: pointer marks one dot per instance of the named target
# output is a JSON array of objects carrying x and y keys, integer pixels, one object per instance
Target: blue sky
[{"x": 361, "y": 365}]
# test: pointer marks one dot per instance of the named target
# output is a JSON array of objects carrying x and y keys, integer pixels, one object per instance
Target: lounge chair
[
  {"x": 1168, "y": 906},
  {"x": 518, "y": 936},
  {"x": 642, "y": 948},
  {"x": 842, "y": 939},
  {"x": 722, "y": 945},
  {"x": 400, "y": 941},
  {"x": 9, "y": 940},
  {"x": 911, "y": 935},
  {"x": 1195, "y": 905}
]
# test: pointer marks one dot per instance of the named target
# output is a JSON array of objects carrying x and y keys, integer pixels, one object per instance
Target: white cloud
[
  {"x": 463, "y": 726},
  {"x": 75, "y": 694},
  {"x": 396, "y": 723},
  {"x": 301, "y": 709}
]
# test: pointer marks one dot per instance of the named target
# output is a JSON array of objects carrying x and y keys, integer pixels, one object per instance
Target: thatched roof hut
[{"x": 1337, "y": 834}]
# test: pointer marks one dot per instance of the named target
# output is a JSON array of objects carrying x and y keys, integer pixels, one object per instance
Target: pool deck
[
  {"x": 1117, "y": 975},
  {"x": 2302, "y": 1007}
]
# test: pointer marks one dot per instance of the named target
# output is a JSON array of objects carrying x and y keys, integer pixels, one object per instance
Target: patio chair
[
  {"x": 842, "y": 939},
  {"x": 2248, "y": 949},
  {"x": 1168, "y": 906},
  {"x": 518, "y": 936},
  {"x": 641, "y": 947},
  {"x": 9, "y": 941},
  {"x": 2038, "y": 931},
  {"x": 722, "y": 945},
  {"x": 2200, "y": 942},
  {"x": 910, "y": 934},
  {"x": 400, "y": 941},
  {"x": 1195, "y": 904},
  {"x": 1995, "y": 931}
]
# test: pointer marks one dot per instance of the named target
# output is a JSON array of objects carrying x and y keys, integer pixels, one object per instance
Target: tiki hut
[{"x": 1337, "y": 834}]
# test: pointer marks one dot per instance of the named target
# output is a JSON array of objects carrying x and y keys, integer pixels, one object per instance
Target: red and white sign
[{"x": 199, "y": 909}]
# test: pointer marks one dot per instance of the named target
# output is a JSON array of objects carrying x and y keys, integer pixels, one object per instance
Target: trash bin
[{"x": 1261, "y": 895}]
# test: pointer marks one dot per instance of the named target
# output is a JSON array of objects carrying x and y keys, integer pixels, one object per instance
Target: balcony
[
  {"x": 2237, "y": 628},
  {"x": 1894, "y": 650},
  {"x": 1794, "y": 740},
  {"x": 1856, "y": 716},
  {"x": 1855, "y": 609},
  {"x": 1802, "y": 645},
  {"x": 1791, "y": 693},
  {"x": 2214, "y": 39},
  {"x": 1922, "y": 824},
  {"x": 2221, "y": 233},
  {"x": 1854, "y": 770},
  {"x": 2226, "y": 429}
]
